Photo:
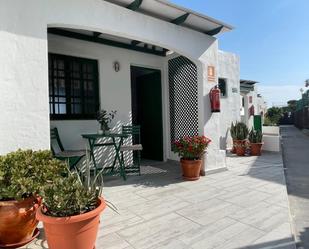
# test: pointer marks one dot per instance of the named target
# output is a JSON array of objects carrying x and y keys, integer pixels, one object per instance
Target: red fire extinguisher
[{"x": 214, "y": 96}]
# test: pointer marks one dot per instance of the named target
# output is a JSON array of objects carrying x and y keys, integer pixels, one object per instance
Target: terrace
[{"x": 244, "y": 207}]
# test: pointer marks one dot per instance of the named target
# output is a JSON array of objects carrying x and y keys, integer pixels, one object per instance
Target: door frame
[{"x": 164, "y": 102}]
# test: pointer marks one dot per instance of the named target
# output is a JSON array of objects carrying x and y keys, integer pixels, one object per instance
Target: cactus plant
[
  {"x": 239, "y": 131},
  {"x": 255, "y": 136}
]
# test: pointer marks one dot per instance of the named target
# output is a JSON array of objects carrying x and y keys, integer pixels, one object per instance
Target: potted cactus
[
  {"x": 240, "y": 134},
  {"x": 255, "y": 139},
  {"x": 71, "y": 210},
  {"x": 22, "y": 176}
]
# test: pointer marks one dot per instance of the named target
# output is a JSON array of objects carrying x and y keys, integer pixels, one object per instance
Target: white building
[
  {"x": 253, "y": 104},
  {"x": 63, "y": 60}
]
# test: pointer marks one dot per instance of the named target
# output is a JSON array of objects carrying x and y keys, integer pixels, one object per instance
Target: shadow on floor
[
  {"x": 286, "y": 243},
  {"x": 153, "y": 174},
  {"x": 268, "y": 166}
]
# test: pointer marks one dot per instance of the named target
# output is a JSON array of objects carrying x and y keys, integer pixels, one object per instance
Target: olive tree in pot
[
  {"x": 190, "y": 151},
  {"x": 255, "y": 139},
  {"x": 239, "y": 133},
  {"x": 71, "y": 210},
  {"x": 22, "y": 176}
]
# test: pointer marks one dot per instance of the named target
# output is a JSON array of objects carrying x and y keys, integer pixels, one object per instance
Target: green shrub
[
  {"x": 239, "y": 131},
  {"x": 255, "y": 136},
  {"x": 25, "y": 172}
]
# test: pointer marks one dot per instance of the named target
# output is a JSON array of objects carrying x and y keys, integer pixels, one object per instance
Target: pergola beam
[
  {"x": 181, "y": 19},
  {"x": 214, "y": 31},
  {"x": 135, "y": 5},
  {"x": 96, "y": 34},
  {"x": 104, "y": 41}
]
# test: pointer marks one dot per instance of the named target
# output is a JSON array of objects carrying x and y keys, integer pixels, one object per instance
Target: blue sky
[{"x": 270, "y": 36}]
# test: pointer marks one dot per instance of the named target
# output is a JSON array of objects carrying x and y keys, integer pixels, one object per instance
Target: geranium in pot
[
  {"x": 190, "y": 151},
  {"x": 22, "y": 175},
  {"x": 71, "y": 211},
  {"x": 240, "y": 134},
  {"x": 255, "y": 139}
]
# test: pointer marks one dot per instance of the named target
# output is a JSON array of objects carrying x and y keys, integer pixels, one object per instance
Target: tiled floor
[{"x": 244, "y": 207}]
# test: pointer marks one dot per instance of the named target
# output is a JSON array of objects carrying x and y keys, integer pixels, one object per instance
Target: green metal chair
[
  {"x": 71, "y": 156},
  {"x": 134, "y": 133}
]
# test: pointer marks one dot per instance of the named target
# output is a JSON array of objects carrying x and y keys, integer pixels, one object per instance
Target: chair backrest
[
  {"x": 134, "y": 131},
  {"x": 55, "y": 142}
]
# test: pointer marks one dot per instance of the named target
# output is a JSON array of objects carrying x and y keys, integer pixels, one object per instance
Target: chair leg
[
  {"x": 122, "y": 160},
  {"x": 139, "y": 162}
]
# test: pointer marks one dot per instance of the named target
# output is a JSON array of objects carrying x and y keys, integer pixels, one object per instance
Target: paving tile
[
  {"x": 221, "y": 237},
  {"x": 204, "y": 232},
  {"x": 208, "y": 212},
  {"x": 158, "y": 207},
  {"x": 111, "y": 241},
  {"x": 156, "y": 231},
  {"x": 242, "y": 239}
]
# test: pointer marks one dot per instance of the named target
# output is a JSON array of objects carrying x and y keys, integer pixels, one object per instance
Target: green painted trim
[
  {"x": 181, "y": 19},
  {"x": 214, "y": 31},
  {"x": 107, "y": 42},
  {"x": 135, "y": 5}
]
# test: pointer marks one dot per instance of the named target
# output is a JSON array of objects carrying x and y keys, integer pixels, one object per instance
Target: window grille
[{"x": 73, "y": 87}]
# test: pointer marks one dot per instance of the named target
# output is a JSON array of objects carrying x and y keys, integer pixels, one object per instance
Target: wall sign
[{"x": 211, "y": 73}]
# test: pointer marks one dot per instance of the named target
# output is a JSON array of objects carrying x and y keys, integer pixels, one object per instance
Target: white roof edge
[{"x": 227, "y": 26}]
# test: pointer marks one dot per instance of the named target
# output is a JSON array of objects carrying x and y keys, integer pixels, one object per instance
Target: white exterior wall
[
  {"x": 230, "y": 111},
  {"x": 24, "y": 122},
  {"x": 246, "y": 118},
  {"x": 24, "y": 119}
]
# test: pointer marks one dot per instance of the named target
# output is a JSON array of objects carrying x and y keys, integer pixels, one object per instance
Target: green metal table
[{"x": 92, "y": 140}]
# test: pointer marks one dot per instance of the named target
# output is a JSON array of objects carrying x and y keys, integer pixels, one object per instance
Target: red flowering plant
[{"x": 191, "y": 148}]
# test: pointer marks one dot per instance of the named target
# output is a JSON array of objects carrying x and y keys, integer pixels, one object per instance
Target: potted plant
[
  {"x": 71, "y": 211},
  {"x": 255, "y": 139},
  {"x": 22, "y": 175},
  {"x": 105, "y": 118},
  {"x": 240, "y": 134},
  {"x": 190, "y": 151}
]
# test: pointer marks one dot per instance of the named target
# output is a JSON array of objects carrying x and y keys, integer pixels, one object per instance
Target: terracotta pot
[
  {"x": 233, "y": 151},
  {"x": 18, "y": 220},
  {"x": 191, "y": 169},
  {"x": 240, "y": 146},
  {"x": 255, "y": 149},
  {"x": 74, "y": 232}
]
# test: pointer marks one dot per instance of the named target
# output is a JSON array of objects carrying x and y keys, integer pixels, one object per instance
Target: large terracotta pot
[
  {"x": 17, "y": 220},
  {"x": 75, "y": 232},
  {"x": 255, "y": 149},
  {"x": 240, "y": 147},
  {"x": 191, "y": 169}
]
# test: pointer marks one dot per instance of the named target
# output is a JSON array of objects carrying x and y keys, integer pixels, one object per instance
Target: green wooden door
[
  {"x": 257, "y": 122},
  {"x": 149, "y": 106}
]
